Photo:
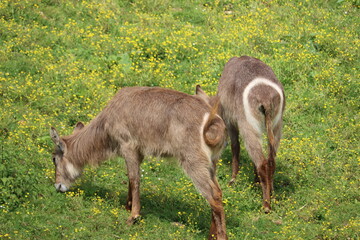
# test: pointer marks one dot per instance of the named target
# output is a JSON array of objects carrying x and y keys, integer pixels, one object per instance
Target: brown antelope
[
  {"x": 142, "y": 121},
  {"x": 253, "y": 102}
]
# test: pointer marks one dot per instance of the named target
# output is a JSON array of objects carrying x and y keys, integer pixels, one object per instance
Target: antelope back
[{"x": 157, "y": 121}]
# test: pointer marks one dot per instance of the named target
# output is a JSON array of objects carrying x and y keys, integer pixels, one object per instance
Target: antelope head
[{"x": 66, "y": 171}]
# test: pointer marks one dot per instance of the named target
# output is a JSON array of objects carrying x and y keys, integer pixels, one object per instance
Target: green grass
[{"x": 61, "y": 61}]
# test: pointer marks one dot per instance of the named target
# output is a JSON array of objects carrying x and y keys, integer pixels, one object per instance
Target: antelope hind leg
[
  {"x": 203, "y": 177},
  {"x": 235, "y": 150}
]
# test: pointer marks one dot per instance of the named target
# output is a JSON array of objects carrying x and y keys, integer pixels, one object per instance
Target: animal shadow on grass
[
  {"x": 109, "y": 194},
  {"x": 153, "y": 203},
  {"x": 168, "y": 208}
]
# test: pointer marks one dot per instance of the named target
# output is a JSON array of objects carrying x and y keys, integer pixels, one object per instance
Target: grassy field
[{"x": 61, "y": 61}]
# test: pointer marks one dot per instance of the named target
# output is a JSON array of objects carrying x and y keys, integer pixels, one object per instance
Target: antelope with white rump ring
[
  {"x": 253, "y": 102},
  {"x": 142, "y": 121}
]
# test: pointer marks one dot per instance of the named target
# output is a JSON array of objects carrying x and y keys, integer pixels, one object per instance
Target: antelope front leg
[
  {"x": 134, "y": 204},
  {"x": 129, "y": 200},
  {"x": 133, "y": 161}
]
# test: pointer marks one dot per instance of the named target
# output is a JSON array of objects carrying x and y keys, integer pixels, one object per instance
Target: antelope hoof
[
  {"x": 132, "y": 220},
  {"x": 267, "y": 210}
]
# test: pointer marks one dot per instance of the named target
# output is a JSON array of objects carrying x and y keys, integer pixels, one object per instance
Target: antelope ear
[
  {"x": 200, "y": 93},
  {"x": 198, "y": 90},
  {"x": 54, "y": 136},
  {"x": 78, "y": 127},
  {"x": 56, "y": 139}
]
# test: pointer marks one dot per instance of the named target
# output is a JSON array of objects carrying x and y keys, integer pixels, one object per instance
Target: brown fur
[
  {"x": 142, "y": 121},
  {"x": 264, "y": 104}
]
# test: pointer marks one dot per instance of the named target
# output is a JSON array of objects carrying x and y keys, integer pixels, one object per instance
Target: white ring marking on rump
[{"x": 247, "y": 110}]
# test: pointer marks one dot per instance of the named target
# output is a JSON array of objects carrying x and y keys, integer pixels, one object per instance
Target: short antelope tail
[{"x": 214, "y": 129}]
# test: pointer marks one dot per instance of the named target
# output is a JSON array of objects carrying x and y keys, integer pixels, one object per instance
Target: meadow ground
[{"x": 61, "y": 61}]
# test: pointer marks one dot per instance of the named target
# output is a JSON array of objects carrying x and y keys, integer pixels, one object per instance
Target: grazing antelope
[
  {"x": 253, "y": 102},
  {"x": 142, "y": 121}
]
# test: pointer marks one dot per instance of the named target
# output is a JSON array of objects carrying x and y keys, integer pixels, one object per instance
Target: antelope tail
[
  {"x": 270, "y": 134},
  {"x": 214, "y": 129}
]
